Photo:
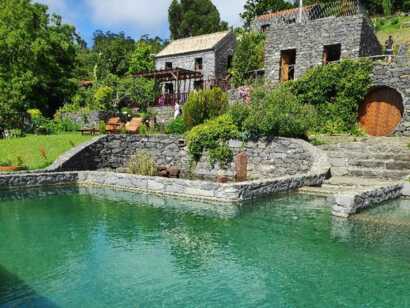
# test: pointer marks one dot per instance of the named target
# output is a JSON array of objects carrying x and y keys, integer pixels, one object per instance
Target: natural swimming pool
[{"x": 73, "y": 247}]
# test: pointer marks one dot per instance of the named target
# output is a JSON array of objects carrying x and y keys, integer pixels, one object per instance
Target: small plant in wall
[{"x": 142, "y": 164}]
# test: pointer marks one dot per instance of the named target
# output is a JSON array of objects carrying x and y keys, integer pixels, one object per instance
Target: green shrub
[
  {"x": 103, "y": 98},
  {"x": 142, "y": 163},
  {"x": 212, "y": 136},
  {"x": 204, "y": 105},
  {"x": 176, "y": 127},
  {"x": 277, "y": 112},
  {"x": 239, "y": 112},
  {"x": 336, "y": 90}
]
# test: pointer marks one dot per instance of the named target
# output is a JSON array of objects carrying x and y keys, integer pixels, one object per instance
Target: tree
[
  {"x": 37, "y": 59},
  {"x": 194, "y": 17},
  {"x": 142, "y": 59},
  {"x": 249, "y": 55},
  {"x": 255, "y": 8},
  {"x": 113, "y": 53}
]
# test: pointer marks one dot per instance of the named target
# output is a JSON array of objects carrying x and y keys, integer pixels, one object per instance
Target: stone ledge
[
  {"x": 350, "y": 203},
  {"x": 191, "y": 189}
]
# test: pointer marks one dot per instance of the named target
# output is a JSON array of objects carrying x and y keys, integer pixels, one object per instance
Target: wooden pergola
[{"x": 182, "y": 78}]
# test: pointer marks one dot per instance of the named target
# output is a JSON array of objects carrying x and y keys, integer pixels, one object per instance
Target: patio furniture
[
  {"x": 133, "y": 126},
  {"x": 113, "y": 125}
]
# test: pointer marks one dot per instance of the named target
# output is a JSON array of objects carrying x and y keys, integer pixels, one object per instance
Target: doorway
[
  {"x": 287, "y": 64},
  {"x": 381, "y": 111}
]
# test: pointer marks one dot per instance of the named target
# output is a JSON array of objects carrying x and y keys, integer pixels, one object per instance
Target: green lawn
[{"x": 30, "y": 148}]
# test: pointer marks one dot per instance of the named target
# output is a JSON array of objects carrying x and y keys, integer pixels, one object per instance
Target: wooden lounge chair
[
  {"x": 113, "y": 125},
  {"x": 133, "y": 126}
]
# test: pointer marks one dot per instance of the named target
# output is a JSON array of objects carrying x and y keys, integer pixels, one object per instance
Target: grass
[
  {"x": 397, "y": 26},
  {"x": 38, "y": 151}
]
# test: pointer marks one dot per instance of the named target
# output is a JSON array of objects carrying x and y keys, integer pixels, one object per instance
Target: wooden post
[{"x": 241, "y": 167}]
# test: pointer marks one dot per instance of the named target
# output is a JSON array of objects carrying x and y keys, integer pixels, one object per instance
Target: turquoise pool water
[{"x": 96, "y": 248}]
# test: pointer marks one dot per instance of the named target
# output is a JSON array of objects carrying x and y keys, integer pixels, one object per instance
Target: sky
[{"x": 134, "y": 17}]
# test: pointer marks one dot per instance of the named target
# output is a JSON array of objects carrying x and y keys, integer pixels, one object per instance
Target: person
[
  {"x": 389, "y": 49},
  {"x": 177, "y": 110}
]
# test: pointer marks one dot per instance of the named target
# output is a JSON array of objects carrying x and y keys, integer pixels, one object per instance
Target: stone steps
[
  {"x": 379, "y": 173},
  {"x": 345, "y": 184},
  {"x": 384, "y": 158},
  {"x": 390, "y": 164}
]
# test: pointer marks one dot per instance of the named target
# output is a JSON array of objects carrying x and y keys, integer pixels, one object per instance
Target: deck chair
[
  {"x": 113, "y": 125},
  {"x": 133, "y": 126}
]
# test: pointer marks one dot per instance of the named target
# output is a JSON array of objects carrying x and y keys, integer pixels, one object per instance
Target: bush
[
  {"x": 176, "y": 127},
  {"x": 239, "y": 112},
  {"x": 142, "y": 163},
  {"x": 277, "y": 112},
  {"x": 204, "y": 105},
  {"x": 212, "y": 136},
  {"x": 336, "y": 91},
  {"x": 103, "y": 98}
]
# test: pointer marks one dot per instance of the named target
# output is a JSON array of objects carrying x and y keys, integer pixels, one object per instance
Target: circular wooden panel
[{"x": 381, "y": 111}]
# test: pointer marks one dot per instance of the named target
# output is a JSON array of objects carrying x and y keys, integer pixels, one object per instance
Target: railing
[
  {"x": 170, "y": 99},
  {"x": 317, "y": 11}
]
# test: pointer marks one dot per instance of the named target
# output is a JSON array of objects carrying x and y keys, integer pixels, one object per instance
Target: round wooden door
[{"x": 381, "y": 111}]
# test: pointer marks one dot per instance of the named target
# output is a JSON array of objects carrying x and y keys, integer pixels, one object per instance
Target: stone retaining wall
[
  {"x": 396, "y": 76},
  {"x": 191, "y": 189},
  {"x": 350, "y": 203},
  {"x": 267, "y": 158}
]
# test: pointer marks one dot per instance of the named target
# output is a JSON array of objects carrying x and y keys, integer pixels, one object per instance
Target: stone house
[
  {"x": 209, "y": 54},
  {"x": 292, "y": 47},
  {"x": 298, "y": 39}
]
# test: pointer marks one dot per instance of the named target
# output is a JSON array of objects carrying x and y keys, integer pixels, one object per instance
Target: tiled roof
[
  {"x": 193, "y": 44},
  {"x": 287, "y": 12}
]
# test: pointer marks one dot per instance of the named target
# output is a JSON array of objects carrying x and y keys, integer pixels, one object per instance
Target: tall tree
[
  {"x": 194, "y": 17},
  {"x": 37, "y": 59},
  {"x": 253, "y": 8},
  {"x": 113, "y": 53}
]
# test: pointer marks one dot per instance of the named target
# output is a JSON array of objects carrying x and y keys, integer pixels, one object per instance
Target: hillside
[{"x": 397, "y": 26}]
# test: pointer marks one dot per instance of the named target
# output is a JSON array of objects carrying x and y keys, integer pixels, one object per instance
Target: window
[
  {"x": 332, "y": 53},
  {"x": 168, "y": 65},
  {"x": 198, "y": 64},
  {"x": 287, "y": 64},
  {"x": 229, "y": 63},
  {"x": 265, "y": 28}
]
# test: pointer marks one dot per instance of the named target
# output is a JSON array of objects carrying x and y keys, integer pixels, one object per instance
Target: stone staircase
[
  {"x": 342, "y": 184},
  {"x": 375, "y": 157}
]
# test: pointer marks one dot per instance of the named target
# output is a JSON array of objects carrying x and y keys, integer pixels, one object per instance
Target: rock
[
  {"x": 174, "y": 172},
  {"x": 222, "y": 179}
]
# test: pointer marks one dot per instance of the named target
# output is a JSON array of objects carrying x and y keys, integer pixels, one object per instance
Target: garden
[{"x": 59, "y": 76}]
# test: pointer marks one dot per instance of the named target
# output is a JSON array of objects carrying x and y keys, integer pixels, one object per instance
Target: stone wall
[
  {"x": 164, "y": 114},
  {"x": 396, "y": 76},
  {"x": 352, "y": 32},
  {"x": 89, "y": 120},
  {"x": 351, "y": 203},
  {"x": 267, "y": 158},
  {"x": 187, "y": 61},
  {"x": 214, "y": 62},
  {"x": 223, "y": 50}
]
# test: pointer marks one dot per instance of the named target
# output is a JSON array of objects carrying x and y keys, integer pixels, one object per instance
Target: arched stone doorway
[{"x": 381, "y": 111}]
